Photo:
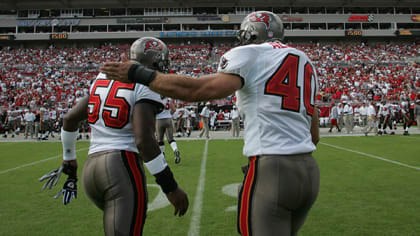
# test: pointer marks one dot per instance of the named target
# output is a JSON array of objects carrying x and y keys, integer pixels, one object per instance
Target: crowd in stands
[{"x": 56, "y": 77}]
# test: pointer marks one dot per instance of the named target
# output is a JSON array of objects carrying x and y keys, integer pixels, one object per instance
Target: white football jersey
[
  {"x": 110, "y": 109},
  {"x": 166, "y": 113},
  {"x": 277, "y": 97}
]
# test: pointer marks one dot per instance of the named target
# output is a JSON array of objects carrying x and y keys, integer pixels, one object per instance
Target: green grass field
[{"x": 369, "y": 186}]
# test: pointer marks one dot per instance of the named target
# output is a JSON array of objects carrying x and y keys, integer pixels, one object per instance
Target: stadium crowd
[{"x": 51, "y": 80}]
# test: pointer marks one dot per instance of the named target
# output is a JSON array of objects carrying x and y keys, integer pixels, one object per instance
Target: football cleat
[
  {"x": 177, "y": 157},
  {"x": 380, "y": 132}
]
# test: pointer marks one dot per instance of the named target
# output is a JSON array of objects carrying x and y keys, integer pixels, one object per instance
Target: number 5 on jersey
[{"x": 113, "y": 102}]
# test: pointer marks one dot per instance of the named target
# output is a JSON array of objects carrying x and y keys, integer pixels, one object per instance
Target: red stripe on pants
[
  {"x": 246, "y": 198},
  {"x": 140, "y": 193}
]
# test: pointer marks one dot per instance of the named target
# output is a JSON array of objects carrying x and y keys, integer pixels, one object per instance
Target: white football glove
[{"x": 52, "y": 176}]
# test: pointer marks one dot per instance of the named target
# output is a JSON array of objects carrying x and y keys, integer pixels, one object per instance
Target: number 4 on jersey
[{"x": 284, "y": 83}]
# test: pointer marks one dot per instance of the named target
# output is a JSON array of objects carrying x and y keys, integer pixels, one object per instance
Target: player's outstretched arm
[
  {"x": 69, "y": 165},
  {"x": 144, "y": 130},
  {"x": 315, "y": 126},
  {"x": 76, "y": 114},
  {"x": 186, "y": 88}
]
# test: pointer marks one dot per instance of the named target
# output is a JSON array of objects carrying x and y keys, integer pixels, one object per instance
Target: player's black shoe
[{"x": 177, "y": 157}]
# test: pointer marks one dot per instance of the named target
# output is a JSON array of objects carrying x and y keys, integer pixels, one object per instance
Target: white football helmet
[{"x": 259, "y": 27}]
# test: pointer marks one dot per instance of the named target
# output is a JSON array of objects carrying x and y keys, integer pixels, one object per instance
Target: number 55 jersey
[
  {"x": 110, "y": 110},
  {"x": 277, "y": 97}
]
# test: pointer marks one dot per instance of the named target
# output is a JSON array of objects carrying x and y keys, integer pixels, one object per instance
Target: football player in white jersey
[
  {"x": 276, "y": 87},
  {"x": 405, "y": 114},
  {"x": 164, "y": 125},
  {"x": 122, "y": 119}
]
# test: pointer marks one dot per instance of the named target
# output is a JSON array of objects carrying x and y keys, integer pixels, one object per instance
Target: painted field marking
[
  {"x": 372, "y": 156},
  {"x": 198, "y": 201},
  {"x": 37, "y": 162}
]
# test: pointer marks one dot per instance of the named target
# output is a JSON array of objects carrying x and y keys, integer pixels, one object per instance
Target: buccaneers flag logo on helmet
[
  {"x": 260, "y": 17},
  {"x": 153, "y": 45}
]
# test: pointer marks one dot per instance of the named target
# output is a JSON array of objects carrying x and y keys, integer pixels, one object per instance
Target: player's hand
[
  {"x": 52, "y": 178},
  {"x": 117, "y": 71},
  {"x": 179, "y": 200},
  {"x": 69, "y": 190}
]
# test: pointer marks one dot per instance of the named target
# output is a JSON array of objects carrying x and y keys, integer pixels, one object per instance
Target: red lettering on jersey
[
  {"x": 307, "y": 89},
  {"x": 278, "y": 45},
  {"x": 112, "y": 102},
  {"x": 284, "y": 83},
  {"x": 95, "y": 100}
]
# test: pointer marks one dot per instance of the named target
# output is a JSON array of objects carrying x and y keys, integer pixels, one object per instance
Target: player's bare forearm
[
  {"x": 315, "y": 127},
  {"x": 144, "y": 131},
  {"x": 75, "y": 115},
  {"x": 190, "y": 89}
]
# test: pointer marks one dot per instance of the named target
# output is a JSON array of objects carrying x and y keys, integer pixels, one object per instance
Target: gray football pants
[
  {"x": 162, "y": 126},
  {"x": 115, "y": 182},
  {"x": 276, "y": 195}
]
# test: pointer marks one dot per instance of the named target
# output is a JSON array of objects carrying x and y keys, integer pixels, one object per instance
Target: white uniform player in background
[
  {"x": 276, "y": 87},
  {"x": 371, "y": 119},
  {"x": 164, "y": 126}
]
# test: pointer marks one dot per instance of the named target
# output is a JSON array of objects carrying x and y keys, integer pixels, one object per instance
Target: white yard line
[
  {"x": 372, "y": 156},
  {"x": 36, "y": 162},
  {"x": 198, "y": 201}
]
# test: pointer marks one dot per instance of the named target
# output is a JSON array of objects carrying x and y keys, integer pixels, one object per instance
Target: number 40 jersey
[
  {"x": 277, "y": 98},
  {"x": 110, "y": 109}
]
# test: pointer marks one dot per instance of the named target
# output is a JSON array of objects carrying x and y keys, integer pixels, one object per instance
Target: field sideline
[{"x": 369, "y": 186}]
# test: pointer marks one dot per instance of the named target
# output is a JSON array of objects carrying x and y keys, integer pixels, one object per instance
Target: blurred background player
[
  {"x": 363, "y": 115},
  {"x": 372, "y": 120},
  {"x": 45, "y": 122},
  {"x": 113, "y": 177},
  {"x": 29, "y": 119},
  {"x": 205, "y": 114},
  {"x": 334, "y": 117},
  {"x": 348, "y": 117},
  {"x": 416, "y": 113},
  {"x": 405, "y": 115},
  {"x": 165, "y": 126},
  {"x": 236, "y": 122}
]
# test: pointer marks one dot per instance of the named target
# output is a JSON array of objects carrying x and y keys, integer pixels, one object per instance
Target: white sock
[
  {"x": 162, "y": 148},
  {"x": 174, "y": 146}
]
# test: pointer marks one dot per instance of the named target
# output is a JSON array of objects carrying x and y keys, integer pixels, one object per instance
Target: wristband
[
  {"x": 68, "y": 140},
  {"x": 70, "y": 170},
  {"x": 156, "y": 165},
  {"x": 166, "y": 180},
  {"x": 140, "y": 74}
]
